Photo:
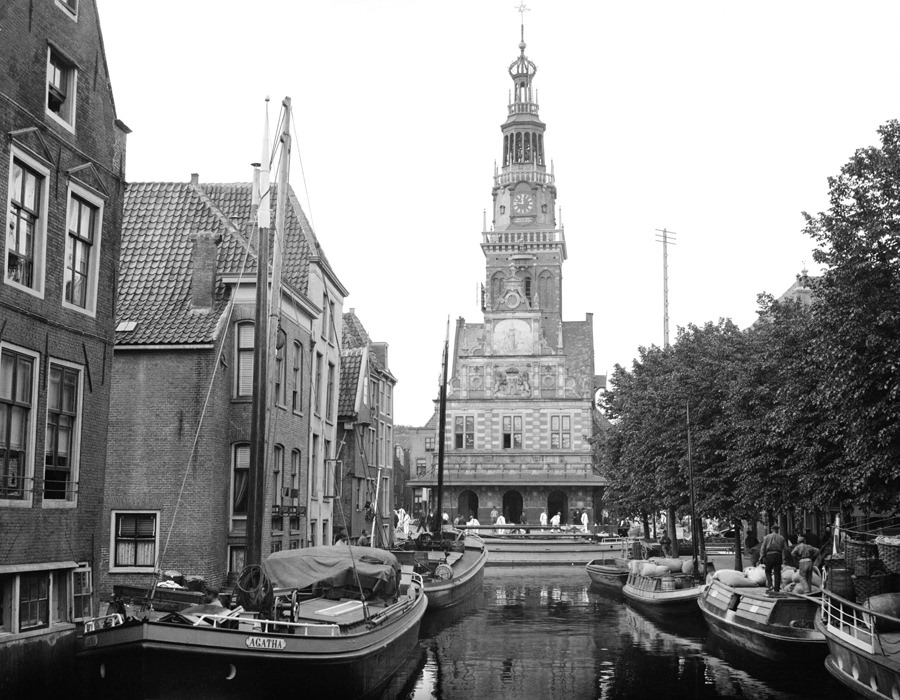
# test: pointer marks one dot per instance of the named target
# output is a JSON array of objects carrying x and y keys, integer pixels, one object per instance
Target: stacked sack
[{"x": 752, "y": 576}]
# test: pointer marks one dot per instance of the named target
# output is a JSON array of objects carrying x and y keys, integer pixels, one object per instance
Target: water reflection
[{"x": 546, "y": 633}]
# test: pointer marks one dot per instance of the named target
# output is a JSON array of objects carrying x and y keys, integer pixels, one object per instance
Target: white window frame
[
  {"x": 83, "y": 569},
  {"x": 113, "y": 568},
  {"x": 464, "y": 432},
  {"x": 90, "y": 302},
  {"x": 59, "y": 612},
  {"x": 512, "y": 432},
  {"x": 562, "y": 417},
  {"x": 39, "y": 253},
  {"x": 32, "y": 430},
  {"x": 240, "y": 390},
  {"x": 66, "y": 120},
  {"x": 75, "y": 456}
]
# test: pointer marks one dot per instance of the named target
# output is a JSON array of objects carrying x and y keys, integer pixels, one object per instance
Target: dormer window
[
  {"x": 61, "y": 85},
  {"x": 70, "y": 6}
]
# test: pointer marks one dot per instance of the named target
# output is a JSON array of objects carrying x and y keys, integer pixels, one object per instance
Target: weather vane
[{"x": 522, "y": 8}]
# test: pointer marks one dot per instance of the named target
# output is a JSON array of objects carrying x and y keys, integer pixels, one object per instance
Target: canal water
[{"x": 545, "y": 632}]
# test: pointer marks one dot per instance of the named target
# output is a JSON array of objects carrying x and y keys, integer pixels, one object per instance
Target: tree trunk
[{"x": 738, "y": 558}]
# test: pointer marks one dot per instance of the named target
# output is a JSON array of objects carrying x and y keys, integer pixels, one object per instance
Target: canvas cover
[{"x": 332, "y": 568}]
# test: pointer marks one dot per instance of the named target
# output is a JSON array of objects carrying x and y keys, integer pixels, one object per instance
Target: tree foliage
[{"x": 799, "y": 410}]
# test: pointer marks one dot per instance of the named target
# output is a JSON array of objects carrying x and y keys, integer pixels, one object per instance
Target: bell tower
[{"x": 523, "y": 248}]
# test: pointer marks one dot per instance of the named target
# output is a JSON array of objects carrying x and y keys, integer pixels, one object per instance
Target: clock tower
[{"x": 524, "y": 249}]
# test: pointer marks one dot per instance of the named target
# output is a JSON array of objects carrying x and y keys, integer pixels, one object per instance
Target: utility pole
[{"x": 667, "y": 238}]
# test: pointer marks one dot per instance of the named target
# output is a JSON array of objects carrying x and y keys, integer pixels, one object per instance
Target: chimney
[
  {"x": 195, "y": 179},
  {"x": 203, "y": 269}
]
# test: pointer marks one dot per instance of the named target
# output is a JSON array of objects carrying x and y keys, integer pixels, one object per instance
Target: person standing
[
  {"x": 473, "y": 522},
  {"x": 666, "y": 543},
  {"x": 584, "y": 521},
  {"x": 363, "y": 540},
  {"x": 494, "y": 515},
  {"x": 554, "y": 521},
  {"x": 772, "y": 552},
  {"x": 751, "y": 543},
  {"x": 500, "y": 520},
  {"x": 805, "y": 554},
  {"x": 544, "y": 517}
]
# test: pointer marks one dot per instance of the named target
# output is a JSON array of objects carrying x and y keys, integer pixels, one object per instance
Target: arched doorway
[
  {"x": 558, "y": 502},
  {"x": 512, "y": 506},
  {"x": 467, "y": 504}
]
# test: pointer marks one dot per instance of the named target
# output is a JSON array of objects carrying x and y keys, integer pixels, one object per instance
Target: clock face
[{"x": 522, "y": 203}]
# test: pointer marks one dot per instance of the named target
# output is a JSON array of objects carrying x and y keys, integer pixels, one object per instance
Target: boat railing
[
  {"x": 855, "y": 625},
  {"x": 111, "y": 620}
]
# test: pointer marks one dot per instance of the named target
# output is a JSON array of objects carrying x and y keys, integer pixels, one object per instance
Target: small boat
[
  {"x": 674, "y": 593},
  {"x": 608, "y": 572},
  {"x": 776, "y": 626},
  {"x": 341, "y": 614},
  {"x": 532, "y": 545},
  {"x": 452, "y": 567},
  {"x": 451, "y": 562}
]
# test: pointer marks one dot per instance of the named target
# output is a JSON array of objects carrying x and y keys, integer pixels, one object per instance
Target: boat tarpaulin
[{"x": 378, "y": 570}]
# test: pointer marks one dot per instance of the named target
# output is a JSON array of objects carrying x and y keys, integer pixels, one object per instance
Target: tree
[{"x": 857, "y": 313}]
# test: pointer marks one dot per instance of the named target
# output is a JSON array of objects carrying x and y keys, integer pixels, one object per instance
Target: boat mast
[
  {"x": 695, "y": 531},
  {"x": 265, "y": 333},
  {"x": 442, "y": 426}
]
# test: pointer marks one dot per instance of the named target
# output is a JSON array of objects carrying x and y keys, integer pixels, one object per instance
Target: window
[
  {"x": 82, "y": 589},
  {"x": 421, "y": 466},
  {"x": 389, "y": 399},
  {"x": 26, "y": 229},
  {"x": 276, "y": 546},
  {"x": 331, "y": 333},
  {"x": 62, "y": 433},
  {"x": 16, "y": 400},
  {"x": 464, "y": 432},
  {"x": 297, "y": 383},
  {"x": 240, "y": 484},
  {"x": 280, "y": 377},
  {"x": 62, "y": 79},
  {"x": 330, "y": 464},
  {"x": 325, "y": 307},
  {"x": 278, "y": 474},
  {"x": 237, "y": 556},
  {"x": 34, "y": 600},
  {"x": 314, "y": 469},
  {"x": 82, "y": 251},
  {"x": 244, "y": 364},
  {"x": 512, "y": 432},
  {"x": 318, "y": 387},
  {"x": 329, "y": 398},
  {"x": 134, "y": 540},
  {"x": 560, "y": 432},
  {"x": 429, "y": 444},
  {"x": 295, "y": 471}
]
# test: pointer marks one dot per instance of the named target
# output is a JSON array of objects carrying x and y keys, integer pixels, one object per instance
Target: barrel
[
  {"x": 840, "y": 583},
  {"x": 667, "y": 584}
]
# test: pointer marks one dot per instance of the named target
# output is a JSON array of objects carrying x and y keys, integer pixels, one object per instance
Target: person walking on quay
[
  {"x": 805, "y": 554},
  {"x": 554, "y": 521},
  {"x": 772, "y": 552},
  {"x": 544, "y": 517},
  {"x": 751, "y": 543},
  {"x": 584, "y": 521}
]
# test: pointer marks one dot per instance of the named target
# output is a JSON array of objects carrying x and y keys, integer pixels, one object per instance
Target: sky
[{"x": 719, "y": 121}]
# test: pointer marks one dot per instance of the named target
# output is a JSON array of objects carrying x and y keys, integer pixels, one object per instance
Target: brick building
[
  {"x": 179, "y": 451},
  {"x": 520, "y": 405},
  {"x": 365, "y": 434},
  {"x": 63, "y": 161}
]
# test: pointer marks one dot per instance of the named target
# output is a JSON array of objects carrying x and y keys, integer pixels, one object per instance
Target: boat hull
[
  {"x": 771, "y": 627},
  {"x": 166, "y": 660},
  {"x": 645, "y": 592},
  {"x": 468, "y": 576},
  {"x": 607, "y": 573},
  {"x": 540, "y": 550},
  {"x": 860, "y": 656}
]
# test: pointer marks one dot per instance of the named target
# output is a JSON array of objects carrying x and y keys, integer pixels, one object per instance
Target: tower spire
[{"x": 522, "y": 9}]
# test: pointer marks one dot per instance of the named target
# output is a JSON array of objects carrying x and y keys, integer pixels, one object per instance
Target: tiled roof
[
  {"x": 578, "y": 341},
  {"x": 354, "y": 334},
  {"x": 351, "y": 365},
  {"x": 155, "y": 266}
]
